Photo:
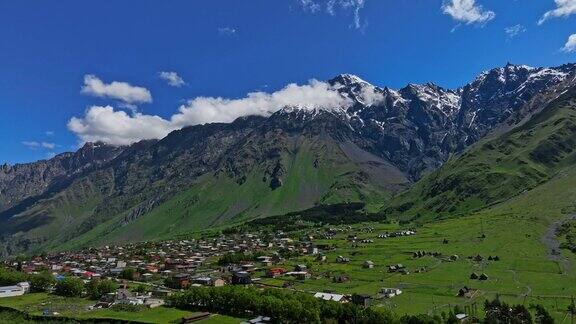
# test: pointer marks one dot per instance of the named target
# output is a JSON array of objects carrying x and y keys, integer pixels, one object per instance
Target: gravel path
[{"x": 553, "y": 245}]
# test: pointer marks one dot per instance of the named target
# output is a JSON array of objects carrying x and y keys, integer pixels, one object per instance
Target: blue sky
[{"x": 51, "y": 50}]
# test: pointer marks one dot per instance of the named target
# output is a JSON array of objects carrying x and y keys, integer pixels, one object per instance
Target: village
[
  {"x": 240, "y": 259},
  {"x": 368, "y": 265}
]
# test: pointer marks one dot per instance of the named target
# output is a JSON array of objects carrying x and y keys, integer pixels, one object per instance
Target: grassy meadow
[
  {"x": 77, "y": 308},
  {"x": 514, "y": 231}
]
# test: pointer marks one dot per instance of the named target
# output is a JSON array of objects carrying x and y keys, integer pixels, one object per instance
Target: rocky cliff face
[
  {"x": 295, "y": 158},
  {"x": 23, "y": 181},
  {"x": 418, "y": 127}
]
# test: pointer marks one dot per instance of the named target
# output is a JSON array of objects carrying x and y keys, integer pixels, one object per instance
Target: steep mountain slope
[
  {"x": 496, "y": 170},
  {"x": 209, "y": 175},
  {"x": 28, "y": 180},
  {"x": 420, "y": 126}
]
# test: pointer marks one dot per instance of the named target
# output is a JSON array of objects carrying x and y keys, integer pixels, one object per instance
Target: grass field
[
  {"x": 514, "y": 231},
  {"x": 77, "y": 308}
]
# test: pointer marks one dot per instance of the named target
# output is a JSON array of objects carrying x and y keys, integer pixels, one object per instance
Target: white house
[
  {"x": 390, "y": 292},
  {"x": 17, "y": 290},
  {"x": 333, "y": 297}
]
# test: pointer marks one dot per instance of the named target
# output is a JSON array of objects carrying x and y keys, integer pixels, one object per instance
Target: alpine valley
[{"x": 420, "y": 153}]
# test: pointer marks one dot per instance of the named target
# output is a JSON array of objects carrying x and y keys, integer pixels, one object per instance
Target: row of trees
[
  {"x": 293, "y": 307},
  {"x": 282, "y": 305},
  {"x": 344, "y": 213},
  {"x": 40, "y": 282},
  {"x": 75, "y": 287},
  {"x": 234, "y": 258},
  {"x": 500, "y": 312},
  {"x": 68, "y": 287}
]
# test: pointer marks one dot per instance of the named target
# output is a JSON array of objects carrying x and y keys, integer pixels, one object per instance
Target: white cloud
[
  {"x": 49, "y": 133},
  {"x": 122, "y": 91},
  {"x": 355, "y": 6},
  {"x": 203, "y": 110},
  {"x": 35, "y": 145},
  {"x": 172, "y": 78},
  {"x": 331, "y": 6},
  {"x": 570, "y": 45},
  {"x": 371, "y": 97},
  {"x": 467, "y": 11},
  {"x": 564, "y": 8},
  {"x": 119, "y": 128},
  {"x": 310, "y": 5},
  {"x": 514, "y": 31},
  {"x": 227, "y": 31}
]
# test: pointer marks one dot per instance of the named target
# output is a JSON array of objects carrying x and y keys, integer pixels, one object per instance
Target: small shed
[{"x": 368, "y": 264}]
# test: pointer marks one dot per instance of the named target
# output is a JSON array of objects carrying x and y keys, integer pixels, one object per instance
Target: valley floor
[
  {"x": 521, "y": 233},
  {"x": 77, "y": 309},
  {"x": 513, "y": 244}
]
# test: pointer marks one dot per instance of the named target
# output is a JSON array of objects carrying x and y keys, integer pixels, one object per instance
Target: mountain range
[{"x": 420, "y": 152}]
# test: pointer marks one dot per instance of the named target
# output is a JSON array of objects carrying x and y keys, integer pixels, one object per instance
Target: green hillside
[
  {"x": 496, "y": 170},
  {"x": 517, "y": 231},
  {"x": 317, "y": 173}
]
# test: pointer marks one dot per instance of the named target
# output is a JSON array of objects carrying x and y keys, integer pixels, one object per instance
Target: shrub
[
  {"x": 127, "y": 308},
  {"x": 127, "y": 274},
  {"x": 141, "y": 289},
  {"x": 283, "y": 306},
  {"x": 98, "y": 288},
  {"x": 69, "y": 287},
  {"x": 8, "y": 277},
  {"x": 42, "y": 282}
]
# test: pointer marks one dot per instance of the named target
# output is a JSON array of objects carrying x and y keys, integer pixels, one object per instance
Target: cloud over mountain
[
  {"x": 117, "y": 127},
  {"x": 120, "y": 128}
]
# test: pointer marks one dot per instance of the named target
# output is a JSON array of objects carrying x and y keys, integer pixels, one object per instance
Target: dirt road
[{"x": 553, "y": 245}]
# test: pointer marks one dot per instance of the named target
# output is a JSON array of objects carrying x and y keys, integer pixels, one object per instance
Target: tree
[
  {"x": 69, "y": 287},
  {"x": 42, "y": 282},
  {"x": 520, "y": 314},
  {"x": 452, "y": 319},
  {"x": 572, "y": 310},
  {"x": 420, "y": 319},
  {"x": 128, "y": 274},
  {"x": 8, "y": 277},
  {"x": 500, "y": 312},
  {"x": 141, "y": 289},
  {"x": 542, "y": 315},
  {"x": 372, "y": 315},
  {"x": 99, "y": 288}
]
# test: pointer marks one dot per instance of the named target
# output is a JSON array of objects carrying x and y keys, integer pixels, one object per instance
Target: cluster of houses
[
  {"x": 481, "y": 277},
  {"x": 174, "y": 264},
  {"x": 400, "y": 268},
  {"x": 397, "y": 234},
  {"x": 125, "y": 297},
  {"x": 359, "y": 299},
  {"x": 421, "y": 254}
]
